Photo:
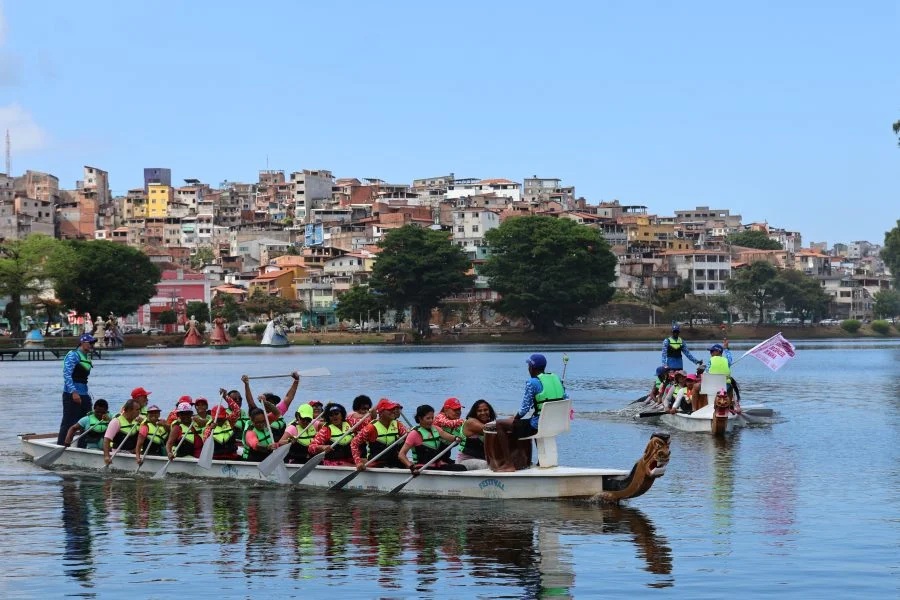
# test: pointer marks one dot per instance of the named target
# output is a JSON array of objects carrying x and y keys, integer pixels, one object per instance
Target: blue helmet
[
  {"x": 716, "y": 348},
  {"x": 660, "y": 371}
]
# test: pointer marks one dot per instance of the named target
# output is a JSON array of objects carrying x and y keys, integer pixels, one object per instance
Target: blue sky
[{"x": 780, "y": 111}]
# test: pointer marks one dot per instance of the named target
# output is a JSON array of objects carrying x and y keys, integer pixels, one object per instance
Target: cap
[
  {"x": 315, "y": 403},
  {"x": 185, "y": 400},
  {"x": 661, "y": 371},
  {"x": 218, "y": 412},
  {"x": 184, "y": 407},
  {"x": 86, "y": 337},
  {"x": 385, "y": 404},
  {"x": 334, "y": 409},
  {"x": 200, "y": 399},
  {"x": 153, "y": 408},
  {"x": 138, "y": 392},
  {"x": 716, "y": 348},
  {"x": 676, "y": 327},
  {"x": 679, "y": 373},
  {"x": 691, "y": 376},
  {"x": 537, "y": 361},
  {"x": 452, "y": 403},
  {"x": 305, "y": 411}
]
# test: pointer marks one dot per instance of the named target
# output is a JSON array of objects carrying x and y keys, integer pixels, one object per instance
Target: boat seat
[
  {"x": 553, "y": 421},
  {"x": 711, "y": 384}
]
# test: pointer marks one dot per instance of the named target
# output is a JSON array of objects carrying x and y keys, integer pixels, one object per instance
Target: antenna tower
[{"x": 8, "y": 156}]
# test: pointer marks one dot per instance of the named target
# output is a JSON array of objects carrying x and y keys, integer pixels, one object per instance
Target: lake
[{"x": 806, "y": 506}]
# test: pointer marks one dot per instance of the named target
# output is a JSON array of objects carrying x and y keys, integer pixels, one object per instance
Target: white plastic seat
[
  {"x": 711, "y": 384},
  {"x": 553, "y": 421}
]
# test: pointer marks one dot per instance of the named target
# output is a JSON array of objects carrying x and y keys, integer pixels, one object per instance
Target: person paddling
[
  {"x": 151, "y": 439},
  {"x": 425, "y": 442},
  {"x": 257, "y": 443},
  {"x": 95, "y": 422},
  {"x": 378, "y": 435},
  {"x": 185, "y": 428},
  {"x": 224, "y": 434},
  {"x": 122, "y": 431},
  {"x": 331, "y": 439},
  {"x": 450, "y": 420},
  {"x": 299, "y": 434}
]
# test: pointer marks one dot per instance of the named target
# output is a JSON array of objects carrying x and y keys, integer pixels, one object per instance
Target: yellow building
[
  {"x": 275, "y": 283},
  {"x": 158, "y": 198}
]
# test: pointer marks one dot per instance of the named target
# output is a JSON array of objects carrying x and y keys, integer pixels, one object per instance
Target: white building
[
  {"x": 706, "y": 270},
  {"x": 470, "y": 225},
  {"x": 309, "y": 187},
  {"x": 473, "y": 187}
]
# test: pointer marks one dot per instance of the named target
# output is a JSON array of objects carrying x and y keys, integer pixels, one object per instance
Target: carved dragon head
[{"x": 656, "y": 454}]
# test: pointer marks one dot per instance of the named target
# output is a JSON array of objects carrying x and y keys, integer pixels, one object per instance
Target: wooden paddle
[
  {"x": 162, "y": 471},
  {"x": 317, "y": 372},
  {"x": 51, "y": 457},
  {"x": 340, "y": 484},
  {"x": 397, "y": 489},
  {"x": 654, "y": 413},
  {"x": 317, "y": 459}
]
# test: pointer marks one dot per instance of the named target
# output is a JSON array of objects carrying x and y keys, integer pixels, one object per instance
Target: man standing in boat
[
  {"x": 76, "y": 399},
  {"x": 674, "y": 347}
]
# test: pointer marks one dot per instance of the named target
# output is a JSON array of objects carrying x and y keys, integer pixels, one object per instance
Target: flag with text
[{"x": 774, "y": 352}]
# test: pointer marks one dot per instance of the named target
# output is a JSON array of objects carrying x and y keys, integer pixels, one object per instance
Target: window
[
  {"x": 474, "y": 228},
  {"x": 460, "y": 229},
  {"x": 700, "y": 286}
]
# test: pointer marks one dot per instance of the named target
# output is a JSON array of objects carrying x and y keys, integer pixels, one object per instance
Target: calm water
[{"x": 805, "y": 507}]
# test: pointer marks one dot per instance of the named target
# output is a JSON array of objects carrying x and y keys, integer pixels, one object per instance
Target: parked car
[
  {"x": 245, "y": 327},
  {"x": 132, "y": 330},
  {"x": 153, "y": 331},
  {"x": 62, "y": 331}
]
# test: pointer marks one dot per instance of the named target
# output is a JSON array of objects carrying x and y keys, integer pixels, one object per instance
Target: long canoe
[{"x": 610, "y": 485}]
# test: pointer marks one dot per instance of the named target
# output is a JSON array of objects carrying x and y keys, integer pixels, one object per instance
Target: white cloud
[{"x": 25, "y": 134}]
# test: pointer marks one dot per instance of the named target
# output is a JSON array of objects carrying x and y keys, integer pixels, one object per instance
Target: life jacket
[
  {"x": 299, "y": 452},
  {"x": 340, "y": 450},
  {"x": 718, "y": 365},
  {"x": 96, "y": 429},
  {"x": 242, "y": 424},
  {"x": 386, "y": 436},
  {"x": 473, "y": 446},
  {"x": 430, "y": 446},
  {"x": 673, "y": 350},
  {"x": 126, "y": 429},
  {"x": 454, "y": 431},
  {"x": 264, "y": 440},
  {"x": 156, "y": 438},
  {"x": 278, "y": 426},
  {"x": 190, "y": 439},
  {"x": 553, "y": 390},
  {"x": 82, "y": 368},
  {"x": 224, "y": 439}
]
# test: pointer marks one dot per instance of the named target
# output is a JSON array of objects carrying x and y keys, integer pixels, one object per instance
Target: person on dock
[
  {"x": 425, "y": 441},
  {"x": 76, "y": 399},
  {"x": 378, "y": 435},
  {"x": 331, "y": 439},
  {"x": 151, "y": 437},
  {"x": 122, "y": 431},
  {"x": 95, "y": 422},
  {"x": 674, "y": 347}
]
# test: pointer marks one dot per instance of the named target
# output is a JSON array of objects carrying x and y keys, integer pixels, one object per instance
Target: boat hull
[{"x": 533, "y": 483}]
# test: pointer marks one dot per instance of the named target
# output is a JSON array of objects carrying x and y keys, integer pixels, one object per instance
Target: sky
[{"x": 778, "y": 111}]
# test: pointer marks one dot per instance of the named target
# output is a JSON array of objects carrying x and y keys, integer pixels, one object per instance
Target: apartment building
[{"x": 706, "y": 270}]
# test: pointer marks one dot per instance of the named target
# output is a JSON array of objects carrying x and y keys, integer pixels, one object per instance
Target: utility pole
[{"x": 8, "y": 155}]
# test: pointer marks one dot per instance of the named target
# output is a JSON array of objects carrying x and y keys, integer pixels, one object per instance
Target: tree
[
  {"x": 664, "y": 297},
  {"x": 24, "y": 273},
  {"x": 754, "y": 239},
  {"x": 103, "y": 277},
  {"x": 261, "y": 303},
  {"x": 203, "y": 256},
  {"x": 755, "y": 286},
  {"x": 225, "y": 305},
  {"x": 890, "y": 253},
  {"x": 418, "y": 268},
  {"x": 802, "y": 295},
  {"x": 690, "y": 308},
  {"x": 887, "y": 304},
  {"x": 549, "y": 270},
  {"x": 358, "y": 303},
  {"x": 168, "y": 317},
  {"x": 198, "y": 310}
]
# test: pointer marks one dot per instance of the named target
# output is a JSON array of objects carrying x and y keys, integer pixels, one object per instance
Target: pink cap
[{"x": 184, "y": 407}]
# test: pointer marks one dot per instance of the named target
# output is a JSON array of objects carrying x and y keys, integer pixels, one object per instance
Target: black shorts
[{"x": 522, "y": 428}]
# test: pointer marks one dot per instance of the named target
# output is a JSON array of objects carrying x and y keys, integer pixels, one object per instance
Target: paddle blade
[
  {"x": 50, "y": 457},
  {"x": 655, "y": 413},
  {"x": 281, "y": 474},
  {"x": 397, "y": 489},
  {"x": 162, "y": 471},
  {"x": 206, "y": 454},
  {"x": 271, "y": 462},
  {"x": 340, "y": 484},
  {"x": 306, "y": 469},
  {"x": 317, "y": 372}
]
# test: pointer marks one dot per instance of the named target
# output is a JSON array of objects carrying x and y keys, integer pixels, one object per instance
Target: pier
[{"x": 41, "y": 353}]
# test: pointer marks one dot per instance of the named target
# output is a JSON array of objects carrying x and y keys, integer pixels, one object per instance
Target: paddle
[
  {"x": 315, "y": 460},
  {"x": 206, "y": 453},
  {"x": 138, "y": 422},
  {"x": 162, "y": 471},
  {"x": 340, "y": 484},
  {"x": 317, "y": 372},
  {"x": 397, "y": 489},
  {"x": 654, "y": 413},
  {"x": 270, "y": 463},
  {"x": 51, "y": 457}
]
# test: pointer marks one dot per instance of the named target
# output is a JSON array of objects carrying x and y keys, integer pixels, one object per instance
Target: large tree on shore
[
  {"x": 102, "y": 277},
  {"x": 549, "y": 270},
  {"x": 754, "y": 239},
  {"x": 890, "y": 253},
  {"x": 418, "y": 268},
  {"x": 755, "y": 286},
  {"x": 24, "y": 273},
  {"x": 802, "y": 295},
  {"x": 358, "y": 304}
]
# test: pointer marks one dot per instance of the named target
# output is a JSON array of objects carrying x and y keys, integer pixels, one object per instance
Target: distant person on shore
[
  {"x": 76, "y": 399},
  {"x": 674, "y": 347}
]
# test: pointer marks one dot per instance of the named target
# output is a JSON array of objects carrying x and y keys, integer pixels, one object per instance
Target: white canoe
[
  {"x": 703, "y": 420},
  {"x": 533, "y": 483}
]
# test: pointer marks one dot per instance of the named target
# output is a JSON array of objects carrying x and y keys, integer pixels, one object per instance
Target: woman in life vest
[
  {"x": 152, "y": 435},
  {"x": 122, "y": 431},
  {"x": 378, "y": 435},
  {"x": 281, "y": 407},
  {"x": 95, "y": 422},
  {"x": 450, "y": 420},
  {"x": 299, "y": 434},
  {"x": 425, "y": 442},
  {"x": 202, "y": 418},
  {"x": 362, "y": 410},
  {"x": 257, "y": 443},
  {"x": 471, "y": 451},
  {"x": 331, "y": 437},
  {"x": 185, "y": 428},
  {"x": 225, "y": 440}
]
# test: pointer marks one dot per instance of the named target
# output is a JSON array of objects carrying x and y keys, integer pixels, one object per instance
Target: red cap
[
  {"x": 201, "y": 399},
  {"x": 315, "y": 403},
  {"x": 690, "y": 376},
  {"x": 386, "y": 404},
  {"x": 452, "y": 403},
  {"x": 218, "y": 412},
  {"x": 185, "y": 399},
  {"x": 139, "y": 391}
]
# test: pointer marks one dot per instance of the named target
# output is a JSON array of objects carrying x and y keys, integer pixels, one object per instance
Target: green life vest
[
  {"x": 385, "y": 436},
  {"x": 157, "y": 434},
  {"x": 430, "y": 447},
  {"x": 718, "y": 365},
  {"x": 187, "y": 431},
  {"x": 553, "y": 390},
  {"x": 82, "y": 367},
  {"x": 304, "y": 437},
  {"x": 674, "y": 348},
  {"x": 263, "y": 439},
  {"x": 337, "y": 432}
]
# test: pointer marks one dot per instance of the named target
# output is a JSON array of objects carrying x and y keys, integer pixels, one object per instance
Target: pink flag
[{"x": 774, "y": 352}]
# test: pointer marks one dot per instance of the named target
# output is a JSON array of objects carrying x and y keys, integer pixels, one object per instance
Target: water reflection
[{"x": 267, "y": 534}]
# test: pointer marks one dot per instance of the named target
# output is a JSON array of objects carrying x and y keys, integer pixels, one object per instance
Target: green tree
[
  {"x": 754, "y": 239},
  {"x": 755, "y": 286},
  {"x": 225, "y": 305},
  {"x": 203, "y": 256},
  {"x": 198, "y": 310},
  {"x": 418, "y": 268},
  {"x": 168, "y": 317},
  {"x": 665, "y": 297},
  {"x": 802, "y": 295},
  {"x": 890, "y": 253},
  {"x": 690, "y": 308},
  {"x": 103, "y": 277},
  {"x": 549, "y": 270},
  {"x": 358, "y": 303},
  {"x": 887, "y": 304},
  {"x": 24, "y": 273},
  {"x": 262, "y": 304}
]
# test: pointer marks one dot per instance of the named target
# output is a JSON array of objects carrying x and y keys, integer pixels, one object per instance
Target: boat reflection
[{"x": 280, "y": 532}]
